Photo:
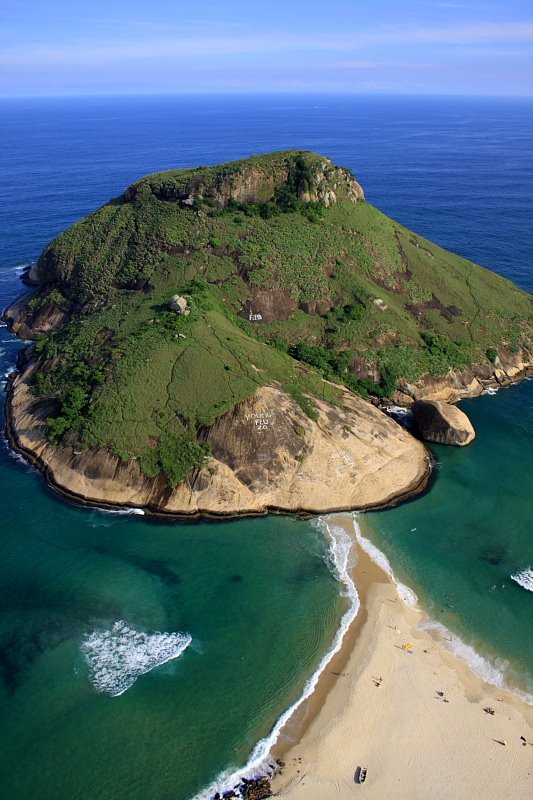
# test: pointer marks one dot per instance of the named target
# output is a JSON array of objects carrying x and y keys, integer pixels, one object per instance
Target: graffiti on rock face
[
  {"x": 341, "y": 462},
  {"x": 260, "y": 419}
]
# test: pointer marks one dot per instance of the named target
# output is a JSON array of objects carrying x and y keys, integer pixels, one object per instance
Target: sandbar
[{"x": 415, "y": 720}]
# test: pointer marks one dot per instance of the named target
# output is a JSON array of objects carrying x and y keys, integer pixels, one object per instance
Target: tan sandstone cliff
[{"x": 267, "y": 456}]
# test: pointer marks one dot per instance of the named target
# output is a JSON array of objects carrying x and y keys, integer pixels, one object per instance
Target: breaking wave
[
  {"x": 480, "y": 666},
  {"x": 340, "y": 559},
  {"x": 131, "y": 510},
  {"x": 524, "y": 578},
  {"x": 400, "y": 414},
  {"x": 379, "y": 558},
  {"x": 118, "y": 656}
]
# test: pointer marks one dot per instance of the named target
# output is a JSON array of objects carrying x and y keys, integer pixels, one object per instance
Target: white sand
[{"x": 415, "y": 746}]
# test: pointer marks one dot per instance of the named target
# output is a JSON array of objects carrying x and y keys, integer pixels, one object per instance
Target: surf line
[
  {"x": 448, "y": 640},
  {"x": 260, "y": 764}
]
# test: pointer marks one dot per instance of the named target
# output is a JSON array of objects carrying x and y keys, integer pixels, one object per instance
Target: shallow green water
[
  {"x": 256, "y": 596},
  {"x": 458, "y": 545}
]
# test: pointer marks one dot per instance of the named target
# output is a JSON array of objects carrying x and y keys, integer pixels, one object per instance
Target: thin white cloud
[
  {"x": 362, "y": 65},
  {"x": 452, "y": 34},
  {"x": 359, "y": 64},
  {"x": 135, "y": 49}
]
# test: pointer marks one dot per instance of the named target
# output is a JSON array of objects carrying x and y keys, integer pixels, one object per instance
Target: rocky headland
[
  {"x": 267, "y": 455},
  {"x": 217, "y": 342}
]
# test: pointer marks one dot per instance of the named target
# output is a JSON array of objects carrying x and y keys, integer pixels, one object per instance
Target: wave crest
[
  {"x": 118, "y": 656},
  {"x": 524, "y": 578},
  {"x": 480, "y": 666},
  {"x": 340, "y": 561},
  {"x": 379, "y": 558}
]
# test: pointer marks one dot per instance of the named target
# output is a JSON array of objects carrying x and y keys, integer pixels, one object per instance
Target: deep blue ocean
[{"x": 261, "y": 600}]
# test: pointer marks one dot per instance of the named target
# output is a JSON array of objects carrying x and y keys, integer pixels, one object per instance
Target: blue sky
[{"x": 54, "y": 47}]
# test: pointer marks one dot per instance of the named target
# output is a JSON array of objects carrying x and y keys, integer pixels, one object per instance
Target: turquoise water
[
  {"x": 242, "y": 590},
  {"x": 256, "y": 597},
  {"x": 458, "y": 545}
]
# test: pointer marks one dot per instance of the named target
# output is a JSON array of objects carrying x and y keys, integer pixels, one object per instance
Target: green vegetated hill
[{"x": 290, "y": 276}]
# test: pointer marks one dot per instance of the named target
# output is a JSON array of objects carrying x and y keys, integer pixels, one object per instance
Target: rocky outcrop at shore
[
  {"x": 442, "y": 423},
  {"x": 457, "y": 384},
  {"x": 247, "y": 789},
  {"x": 267, "y": 455},
  {"x": 27, "y": 325},
  {"x": 30, "y": 276}
]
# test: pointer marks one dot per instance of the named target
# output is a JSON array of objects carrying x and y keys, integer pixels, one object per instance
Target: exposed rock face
[
  {"x": 320, "y": 307},
  {"x": 179, "y": 305},
  {"x": 30, "y": 326},
  {"x": 267, "y": 305},
  {"x": 30, "y": 276},
  {"x": 442, "y": 423},
  {"x": 252, "y": 184},
  {"x": 469, "y": 382},
  {"x": 267, "y": 455}
]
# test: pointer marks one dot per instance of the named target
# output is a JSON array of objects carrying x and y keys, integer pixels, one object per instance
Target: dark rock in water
[
  {"x": 442, "y": 423},
  {"x": 255, "y": 789},
  {"x": 30, "y": 277}
]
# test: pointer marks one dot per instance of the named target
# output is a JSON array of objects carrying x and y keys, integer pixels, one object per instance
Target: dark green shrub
[
  {"x": 175, "y": 455},
  {"x": 492, "y": 354}
]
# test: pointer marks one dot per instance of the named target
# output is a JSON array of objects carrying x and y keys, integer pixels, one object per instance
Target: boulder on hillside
[
  {"x": 442, "y": 423},
  {"x": 179, "y": 305}
]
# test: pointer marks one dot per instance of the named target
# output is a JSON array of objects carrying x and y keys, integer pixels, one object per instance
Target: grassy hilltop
[{"x": 290, "y": 277}]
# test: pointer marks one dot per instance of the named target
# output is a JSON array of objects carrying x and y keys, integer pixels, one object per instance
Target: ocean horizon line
[{"x": 266, "y": 93}]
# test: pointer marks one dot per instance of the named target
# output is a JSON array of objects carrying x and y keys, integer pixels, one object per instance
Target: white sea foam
[
  {"x": 9, "y": 370},
  {"x": 138, "y": 511},
  {"x": 6, "y": 275},
  {"x": 101, "y": 517},
  {"x": 20, "y": 268},
  {"x": 491, "y": 390},
  {"x": 403, "y": 416},
  {"x": 524, "y": 578},
  {"x": 340, "y": 560},
  {"x": 480, "y": 666},
  {"x": 379, "y": 558},
  {"x": 400, "y": 411},
  {"x": 17, "y": 456},
  {"x": 118, "y": 656}
]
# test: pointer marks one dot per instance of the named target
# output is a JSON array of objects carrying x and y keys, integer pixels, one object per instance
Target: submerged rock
[{"x": 442, "y": 423}]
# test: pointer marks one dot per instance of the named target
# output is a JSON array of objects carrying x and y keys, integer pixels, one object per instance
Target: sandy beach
[{"x": 415, "y": 719}]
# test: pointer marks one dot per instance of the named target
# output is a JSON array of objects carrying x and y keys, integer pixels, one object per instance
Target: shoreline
[
  {"x": 412, "y": 742},
  {"x": 109, "y": 488},
  {"x": 417, "y": 488},
  {"x": 420, "y": 483}
]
